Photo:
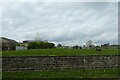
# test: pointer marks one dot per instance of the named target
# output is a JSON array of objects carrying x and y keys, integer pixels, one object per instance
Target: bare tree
[
  {"x": 37, "y": 37},
  {"x": 89, "y": 44}
]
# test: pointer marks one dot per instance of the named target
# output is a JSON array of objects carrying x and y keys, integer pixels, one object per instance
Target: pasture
[{"x": 60, "y": 52}]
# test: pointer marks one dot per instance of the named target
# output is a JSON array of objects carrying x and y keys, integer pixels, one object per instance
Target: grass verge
[{"x": 82, "y": 73}]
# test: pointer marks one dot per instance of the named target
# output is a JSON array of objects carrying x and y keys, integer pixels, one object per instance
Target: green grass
[
  {"x": 82, "y": 73},
  {"x": 60, "y": 52}
]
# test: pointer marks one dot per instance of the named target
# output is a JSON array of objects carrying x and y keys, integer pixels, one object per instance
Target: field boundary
[{"x": 18, "y": 63}]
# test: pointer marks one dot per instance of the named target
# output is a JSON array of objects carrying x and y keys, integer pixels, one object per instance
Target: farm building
[
  {"x": 22, "y": 46},
  {"x": 7, "y": 44}
]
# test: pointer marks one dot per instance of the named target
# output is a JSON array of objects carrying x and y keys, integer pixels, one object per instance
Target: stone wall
[{"x": 59, "y": 62}]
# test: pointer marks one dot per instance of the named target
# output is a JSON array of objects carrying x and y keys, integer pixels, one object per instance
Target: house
[
  {"x": 22, "y": 46},
  {"x": 7, "y": 44}
]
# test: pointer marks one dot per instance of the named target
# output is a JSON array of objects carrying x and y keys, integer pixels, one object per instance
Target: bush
[
  {"x": 76, "y": 47},
  {"x": 40, "y": 45},
  {"x": 32, "y": 45}
]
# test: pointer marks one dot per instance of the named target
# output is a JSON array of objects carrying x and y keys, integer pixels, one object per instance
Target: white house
[{"x": 21, "y": 48}]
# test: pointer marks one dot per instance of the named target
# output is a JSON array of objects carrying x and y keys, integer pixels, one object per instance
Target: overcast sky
[{"x": 68, "y": 23}]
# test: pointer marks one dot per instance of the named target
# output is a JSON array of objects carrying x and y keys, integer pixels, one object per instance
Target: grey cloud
[{"x": 61, "y": 22}]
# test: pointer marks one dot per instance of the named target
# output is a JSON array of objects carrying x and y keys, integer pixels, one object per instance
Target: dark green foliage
[
  {"x": 17, "y": 44},
  {"x": 59, "y": 45},
  {"x": 76, "y": 47},
  {"x": 32, "y": 45},
  {"x": 40, "y": 45},
  {"x": 49, "y": 45}
]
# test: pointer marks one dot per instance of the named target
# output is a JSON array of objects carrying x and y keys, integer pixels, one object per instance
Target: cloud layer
[{"x": 68, "y": 23}]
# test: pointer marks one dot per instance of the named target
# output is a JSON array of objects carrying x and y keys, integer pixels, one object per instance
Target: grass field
[
  {"x": 83, "y": 73},
  {"x": 60, "y": 52}
]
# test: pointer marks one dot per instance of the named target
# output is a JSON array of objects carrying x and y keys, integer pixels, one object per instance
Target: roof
[
  {"x": 7, "y": 39},
  {"x": 26, "y": 41}
]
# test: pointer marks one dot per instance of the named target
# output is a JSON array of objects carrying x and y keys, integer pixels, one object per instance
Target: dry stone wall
[{"x": 58, "y": 62}]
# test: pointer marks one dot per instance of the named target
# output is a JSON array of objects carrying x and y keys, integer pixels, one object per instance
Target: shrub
[{"x": 40, "y": 45}]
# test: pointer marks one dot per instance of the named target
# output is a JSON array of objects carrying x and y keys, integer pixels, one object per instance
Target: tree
[
  {"x": 75, "y": 47},
  {"x": 51, "y": 45},
  {"x": 84, "y": 46},
  {"x": 59, "y": 45},
  {"x": 32, "y": 45},
  {"x": 40, "y": 45},
  {"x": 89, "y": 44},
  {"x": 37, "y": 37},
  {"x": 80, "y": 47}
]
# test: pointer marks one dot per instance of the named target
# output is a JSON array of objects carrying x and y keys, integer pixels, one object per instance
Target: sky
[{"x": 67, "y": 23}]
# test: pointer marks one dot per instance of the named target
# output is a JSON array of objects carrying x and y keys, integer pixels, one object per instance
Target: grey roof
[{"x": 7, "y": 39}]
